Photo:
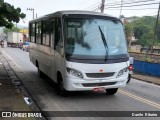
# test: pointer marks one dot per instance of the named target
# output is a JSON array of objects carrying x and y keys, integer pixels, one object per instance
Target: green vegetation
[
  {"x": 143, "y": 28},
  {"x": 148, "y": 59},
  {"x": 9, "y": 14},
  {"x": 13, "y": 29},
  {"x": 128, "y": 30}
]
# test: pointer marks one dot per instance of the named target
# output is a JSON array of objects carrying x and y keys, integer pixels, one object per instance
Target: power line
[
  {"x": 151, "y": 14},
  {"x": 134, "y": 5},
  {"x": 93, "y": 5},
  {"x": 84, "y": 4},
  {"x": 129, "y": 2},
  {"x": 96, "y": 7},
  {"x": 132, "y": 9},
  {"x": 101, "y": 7},
  {"x": 122, "y": 4}
]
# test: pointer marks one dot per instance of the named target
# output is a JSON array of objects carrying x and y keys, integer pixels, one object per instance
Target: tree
[
  {"x": 143, "y": 29},
  {"x": 128, "y": 31},
  {"x": 9, "y": 14},
  {"x": 146, "y": 39},
  {"x": 14, "y": 29},
  {"x": 143, "y": 33},
  {"x": 149, "y": 20},
  {"x": 140, "y": 29}
]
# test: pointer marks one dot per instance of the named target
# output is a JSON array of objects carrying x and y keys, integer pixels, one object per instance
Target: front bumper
[{"x": 76, "y": 84}]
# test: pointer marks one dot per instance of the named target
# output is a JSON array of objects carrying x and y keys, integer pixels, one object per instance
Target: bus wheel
[
  {"x": 111, "y": 91},
  {"x": 129, "y": 78},
  {"x": 61, "y": 90},
  {"x": 40, "y": 73}
]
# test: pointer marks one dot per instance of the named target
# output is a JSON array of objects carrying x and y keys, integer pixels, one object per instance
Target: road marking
[
  {"x": 140, "y": 99},
  {"x": 11, "y": 59}
]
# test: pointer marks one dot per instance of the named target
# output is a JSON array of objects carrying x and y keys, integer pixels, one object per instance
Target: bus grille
[
  {"x": 98, "y": 84},
  {"x": 99, "y": 75}
]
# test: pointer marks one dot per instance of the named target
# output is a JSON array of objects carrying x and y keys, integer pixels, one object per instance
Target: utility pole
[
  {"x": 121, "y": 8},
  {"x": 155, "y": 29},
  {"x": 36, "y": 15},
  {"x": 31, "y": 9},
  {"x": 102, "y": 6}
]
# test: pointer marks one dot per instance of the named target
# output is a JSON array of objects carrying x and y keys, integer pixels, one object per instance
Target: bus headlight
[
  {"x": 123, "y": 71},
  {"x": 74, "y": 72}
]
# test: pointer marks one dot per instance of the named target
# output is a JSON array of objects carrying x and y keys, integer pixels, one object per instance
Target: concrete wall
[{"x": 153, "y": 58}]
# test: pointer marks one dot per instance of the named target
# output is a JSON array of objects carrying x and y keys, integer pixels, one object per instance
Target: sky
[{"x": 43, "y": 7}]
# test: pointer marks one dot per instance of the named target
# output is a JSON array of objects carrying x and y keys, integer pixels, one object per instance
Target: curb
[{"x": 145, "y": 80}]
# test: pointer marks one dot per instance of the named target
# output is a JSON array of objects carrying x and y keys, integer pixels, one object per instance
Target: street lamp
[{"x": 31, "y": 9}]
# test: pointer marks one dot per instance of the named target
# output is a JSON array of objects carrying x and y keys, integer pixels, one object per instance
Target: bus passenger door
[
  {"x": 58, "y": 48},
  {"x": 52, "y": 57}
]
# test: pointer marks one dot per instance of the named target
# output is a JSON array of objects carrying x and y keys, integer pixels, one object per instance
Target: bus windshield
[{"x": 84, "y": 38}]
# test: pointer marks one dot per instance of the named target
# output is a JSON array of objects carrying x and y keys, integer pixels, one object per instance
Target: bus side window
[
  {"x": 38, "y": 32},
  {"x": 32, "y": 32},
  {"x": 58, "y": 37},
  {"x": 46, "y": 33},
  {"x": 52, "y": 33}
]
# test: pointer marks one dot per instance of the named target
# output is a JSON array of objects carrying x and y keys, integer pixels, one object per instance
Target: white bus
[{"x": 80, "y": 51}]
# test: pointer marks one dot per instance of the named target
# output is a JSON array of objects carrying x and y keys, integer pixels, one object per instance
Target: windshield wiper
[{"x": 104, "y": 42}]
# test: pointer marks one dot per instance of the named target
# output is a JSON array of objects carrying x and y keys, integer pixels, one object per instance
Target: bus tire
[
  {"x": 129, "y": 78},
  {"x": 111, "y": 91},
  {"x": 61, "y": 90},
  {"x": 40, "y": 73}
]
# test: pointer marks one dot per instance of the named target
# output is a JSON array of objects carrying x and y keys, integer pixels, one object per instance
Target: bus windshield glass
[{"x": 84, "y": 38}]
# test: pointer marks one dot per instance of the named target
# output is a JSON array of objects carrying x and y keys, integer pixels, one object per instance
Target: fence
[
  {"x": 147, "y": 67},
  {"x": 146, "y": 63}
]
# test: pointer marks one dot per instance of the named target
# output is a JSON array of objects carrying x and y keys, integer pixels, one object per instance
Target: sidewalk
[
  {"x": 11, "y": 99},
  {"x": 146, "y": 78}
]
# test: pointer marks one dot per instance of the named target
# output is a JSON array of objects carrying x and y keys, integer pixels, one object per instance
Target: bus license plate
[{"x": 99, "y": 89}]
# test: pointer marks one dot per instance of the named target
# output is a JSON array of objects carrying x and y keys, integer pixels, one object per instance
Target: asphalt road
[{"x": 136, "y": 96}]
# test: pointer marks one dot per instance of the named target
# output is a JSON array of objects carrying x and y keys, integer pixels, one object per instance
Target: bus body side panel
[{"x": 41, "y": 55}]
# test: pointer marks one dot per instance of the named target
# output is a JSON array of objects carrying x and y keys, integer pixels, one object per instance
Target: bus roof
[{"x": 70, "y": 12}]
